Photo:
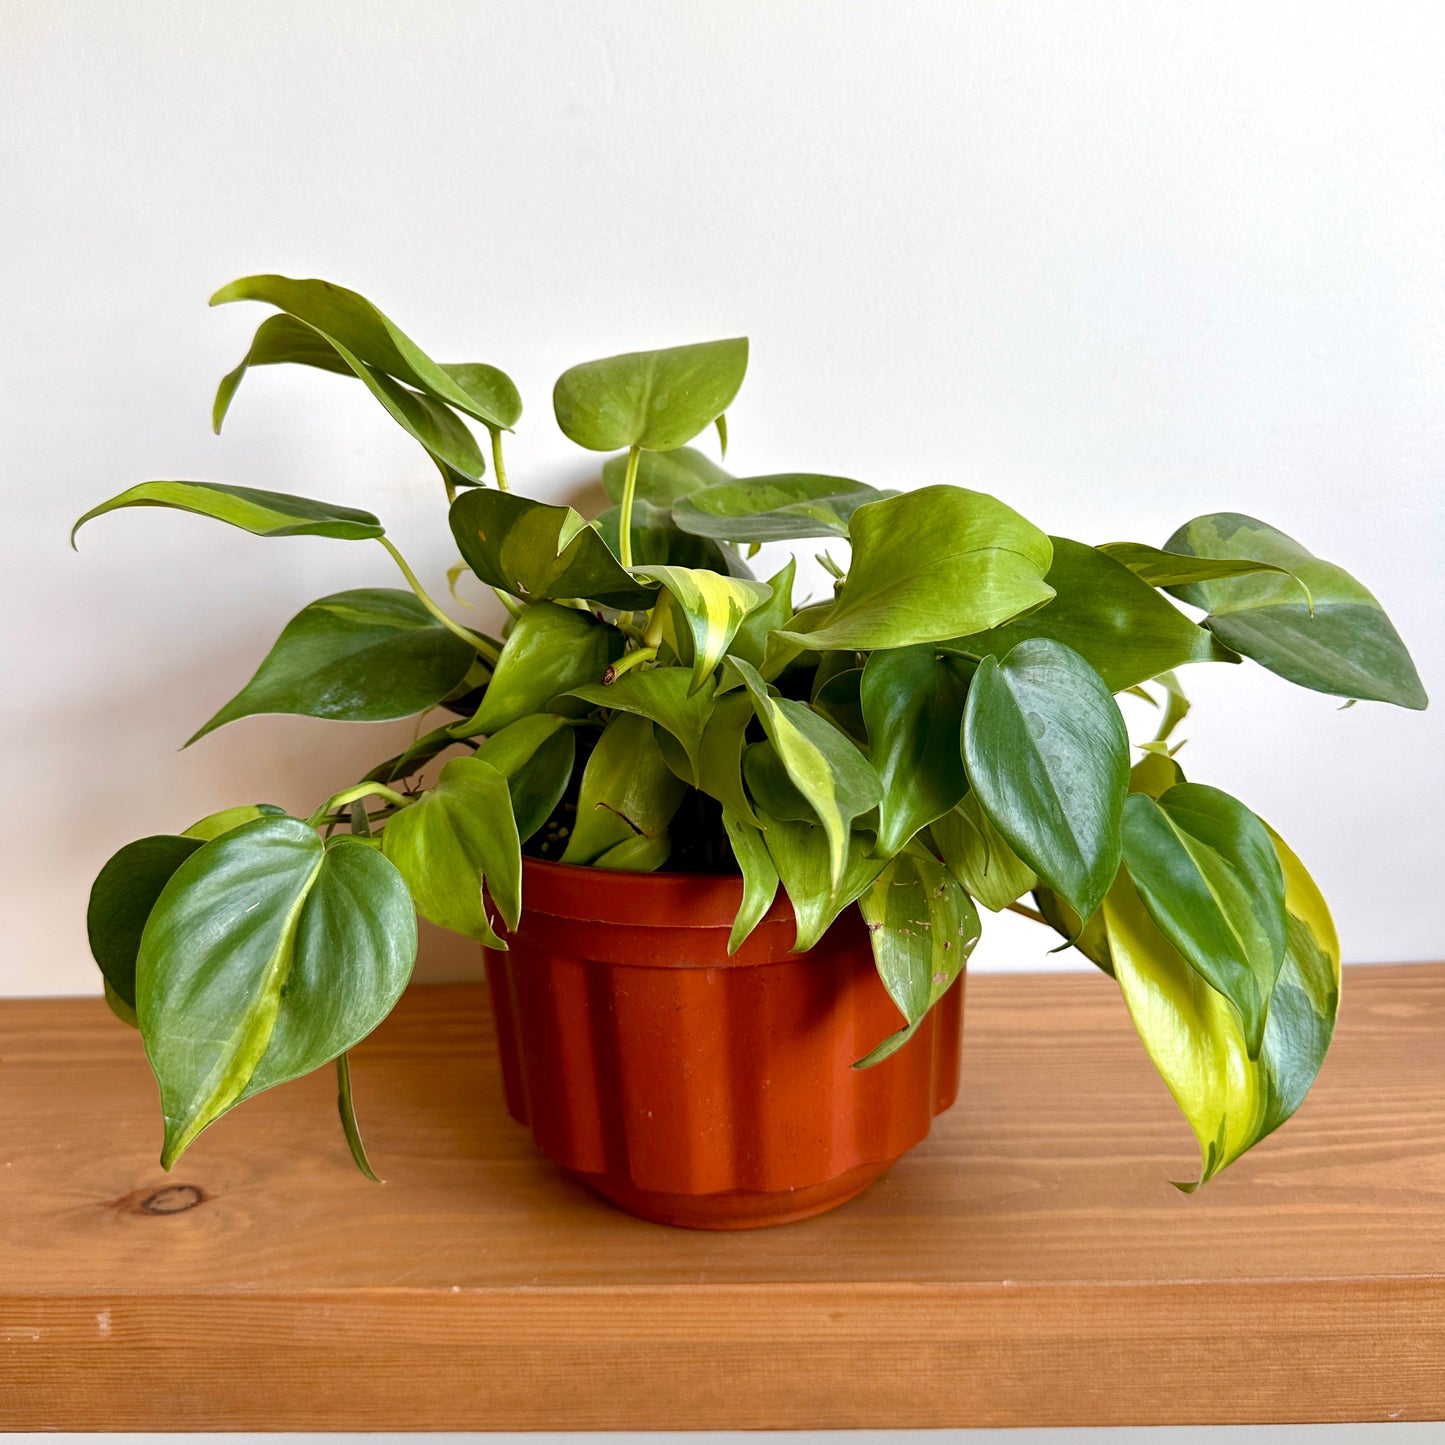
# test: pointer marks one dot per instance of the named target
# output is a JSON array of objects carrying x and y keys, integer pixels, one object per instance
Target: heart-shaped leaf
[
  {"x": 712, "y": 606},
  {"x": 1206, "y": 870},
  {"x": 453, "y": 841},
  {"x": 1343, "y": 645},
  {"x": 263, "y": 514},
  {"x": 656, "y": 400},
  {"x": 1194, "y": 1036},
  {"x": 1047, "y": 754},
  {"x": 1117, "y": 623},
  {"x": 930, "y": 565},
  {"x": 912, "y": 704},
  {"x": 363, "y": 656},
  {"x": 539, "y": 552},
  {"x": 774, "y": 508},
  {"x": 267, "y": 954},
  {"x": 824, "y": 766},
  {"x": 550, "y": 651}
]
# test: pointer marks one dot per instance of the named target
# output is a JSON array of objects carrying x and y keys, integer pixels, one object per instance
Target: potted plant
[{"x": 724, "y": 846}]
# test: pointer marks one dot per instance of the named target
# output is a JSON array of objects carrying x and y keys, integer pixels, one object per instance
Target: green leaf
[
  {"x": 413, "y": 759},
  {"x": 1174, "y": 569},
  {"x": 628, "y": 793},
  {"x": 802, "y": 854},
  {"x": 774, "y": 508},
  {"x": 1154, "y": 774},
  {"x": 368, "y": 655},
  {"x": 928, "y": 566},
  {"x": 656, "y": 400},
  {"x": 347, "y": 1110},
  {"x": 535, "y": 755},
  {"x": 663, "y": 477},
  {"x": 713, "y": 606},
  {"x": 979, "y": 856},
  {"x": 760, "y": 877},
  {"x": 656, "y": 541},
  {"x": 1194, "y": 1036},
  {"x": 838, "y": 696},
  {"x": 267, "y": 955},
  {"x": 913, "y": 708},
  {"x": 1118, "y": 624},
  {"x": 263, "y": 514},
  {"x": 719, "y": 766},
  {"x": 768, "y": 782},
  {"x": 539, "y": 552},
  {"x": 550, "y": 651},
  {"x": 214, "y": 824},
  {"x": 750, "y": 642},
  {"x": 1345, "y": 645},
  {"x": 1047, "y": 754},
  {"x": 923, "y": 927},
  {"x": 1206, "y": 870},
  {"x": 826, "y": 768},
  {"x": 1089, "y": 937},
  {"x": 350, "y": 321},
  {"x": 458, "y": 838},
  {"x": 664, "y": 696}
]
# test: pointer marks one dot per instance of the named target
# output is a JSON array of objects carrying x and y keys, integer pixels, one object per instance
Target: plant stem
[
  {"x": 629, "y": 486},
  {"x": 497, "y": 465},
  {"x": 1024, "y": 911},
  {"x": 482, "y": 646},
  {"x": 350, "y": 795},
  {"x": 627, "y": 662}
]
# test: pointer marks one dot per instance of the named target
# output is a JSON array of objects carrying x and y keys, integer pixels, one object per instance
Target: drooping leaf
[
  {"x": 662, "y": 477},
  {"x": 413, "y": 759},
  {"x": 825, "y": 766},
  {"x": 979, "y": 856},
  {"x": 760, "y": 877},
  {"x": 777, "y": 795},
  {"x": 923, "y": 927},
  {"x": 263, "y": 514},
  {"x": 1089, "y": 937},
  {"x": 350, "y": 321},
  {"x": 774, "y": 508},
  {"x": 539, "y": 552},
  {"x": 719, "y": 765},
  {"x": 550, "y": 651},
  {"x": 912, "y": 704},
  {"x": 346, "y": 1108},
  {"x": 628, "y": 793},
  {"x": 930, "y": 565},
  {"x": 1175, "y": 569},
  {"x": 1194, "y": 1036},
  {"x": 1343, "y": 645},
  {"x": 802, "y": 855},
  {"x": 267, "y": 954},
  {"x": 750, "y": 642},
  {"x": 656, "y": 400},
  {"x": 663, "y": 695},
  {"x": 368, "y": 655},
  {"x": 535, "y": 755},
  {"x": 713, "y": 608},
  {"x": 457, "y": 838},
  {"x": 1118, "y": 624},
  {"x": 1205, "y": 869},
  {"x": 1047, "y": 754}
]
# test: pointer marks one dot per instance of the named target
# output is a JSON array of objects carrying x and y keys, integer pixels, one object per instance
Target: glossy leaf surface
[
  {"x": 458, "y": 837},
  {"x": 363, "y": 656},
  {"x": 663, "y": 695},
  {"x": 656, "y": 540},
  {"x": 751, "y": 639},
  {"x": 263, "y": 514},
  {"x": 1117, "y": 623},
  {"x": 928, "y": 566},
  {"x": 1194, "y": 1036},
  {"x": 1345, "y": 646},
  {"x": 1174, "y": 569},
  {"x": 656, "y": 400},
  {"x": 539, "y": 552},
  {"x": 912, "y": 703},
  {"x": 1047, "y": 755},
  {"x": 535, "y": 755},
  {"x": 774, "y": 508},
  {"x": 267, "y": 955},
  {"x": 713, "y": 608},
  {"x": 1205, "y": 869}
]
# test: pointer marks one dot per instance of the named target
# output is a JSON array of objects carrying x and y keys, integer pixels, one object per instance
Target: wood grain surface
[{"x": 1029, "y": 1264}]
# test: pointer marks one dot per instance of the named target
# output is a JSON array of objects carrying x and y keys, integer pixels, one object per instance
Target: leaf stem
[
  {"x": 483, "y": 647},
  {"x": 498, "y": 467},
  {"x": 629, "y": 487},
  {"x": 350, "y": 795},
  {"x": 627, "y": 662},
  {"x": 1024, "y": 911}
]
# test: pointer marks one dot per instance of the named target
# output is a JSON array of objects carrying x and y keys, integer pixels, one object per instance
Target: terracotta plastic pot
[{"x": 696, "y": 1089}]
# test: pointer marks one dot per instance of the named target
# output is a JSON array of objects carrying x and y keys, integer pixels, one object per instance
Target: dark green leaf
[
  {"x": 535, "y": 755},
  {"x": 1047, "y": 754},
  {"x": 1090, "y": 938},
  {"x": 362, "y": 656},
  {"x": 267, "y": 955},
  {"x": 347, "y": 1109},
  {"x": 656, "y": 400},
  {"x": 773, "y": 509},
  {"x": 720, "y": 754}
]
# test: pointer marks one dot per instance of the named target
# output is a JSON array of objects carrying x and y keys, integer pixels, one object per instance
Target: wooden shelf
[{"x": 1029, "y": 1264}]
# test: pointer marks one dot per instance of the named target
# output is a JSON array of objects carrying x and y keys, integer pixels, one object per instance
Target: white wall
[{"x": 1121, "y": 264}]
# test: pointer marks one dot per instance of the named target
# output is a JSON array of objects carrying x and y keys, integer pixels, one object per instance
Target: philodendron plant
[{"x": 940, "y": 732}]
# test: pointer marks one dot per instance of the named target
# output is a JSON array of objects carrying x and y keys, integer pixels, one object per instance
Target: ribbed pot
[{"x": 696, "y": 1089}]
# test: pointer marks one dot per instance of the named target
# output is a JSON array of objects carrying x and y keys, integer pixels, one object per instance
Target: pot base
[{"x": 734, "y": 1208}]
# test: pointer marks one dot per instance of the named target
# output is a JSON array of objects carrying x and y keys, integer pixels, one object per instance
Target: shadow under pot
[{"x": 695, "y": 1089}]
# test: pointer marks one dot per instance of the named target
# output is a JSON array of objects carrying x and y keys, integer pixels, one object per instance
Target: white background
[{"x": 1119, "y": 264}]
